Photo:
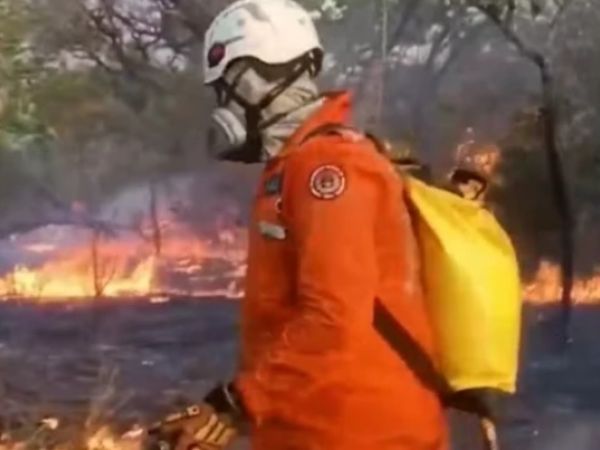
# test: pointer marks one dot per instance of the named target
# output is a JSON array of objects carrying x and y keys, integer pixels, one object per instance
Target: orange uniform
[{"x": 330, "y": 233}]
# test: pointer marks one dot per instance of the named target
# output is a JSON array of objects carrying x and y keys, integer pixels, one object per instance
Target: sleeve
[{"x": 332, "y": 214}]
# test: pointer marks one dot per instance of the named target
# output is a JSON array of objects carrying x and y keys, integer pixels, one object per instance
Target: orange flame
[
  {"x": 131, "y": 267},
  {"x": 546, "y": 286},
  {"x": 484, "y": 158}
]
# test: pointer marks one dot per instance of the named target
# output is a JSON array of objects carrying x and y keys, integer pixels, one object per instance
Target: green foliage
[{"x": 20, "y": 71}]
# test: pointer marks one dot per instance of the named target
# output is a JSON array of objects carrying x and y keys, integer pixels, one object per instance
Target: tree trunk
[
  {"x": 155, "y": 220},
  {"x": 96, "y": 270},
  {"x": 555, "y": 167},
  {"x": 560, "y": 194}
]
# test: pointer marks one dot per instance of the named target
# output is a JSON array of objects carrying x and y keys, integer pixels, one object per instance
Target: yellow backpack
[{"x": 472, "y": 289}]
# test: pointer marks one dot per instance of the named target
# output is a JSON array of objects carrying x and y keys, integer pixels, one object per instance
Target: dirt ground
[{"x": 129, "y": 362}]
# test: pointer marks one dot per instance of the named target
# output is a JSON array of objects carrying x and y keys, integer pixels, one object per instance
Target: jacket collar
[{"x": 335, "y": 109}]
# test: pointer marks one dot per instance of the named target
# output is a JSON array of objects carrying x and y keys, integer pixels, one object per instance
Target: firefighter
[{"x": 329, "y": 236}]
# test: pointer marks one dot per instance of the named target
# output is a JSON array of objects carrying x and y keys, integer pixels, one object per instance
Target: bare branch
[
  {"x": 111, "y": 25},
  {"x": 406, "y": 14},
  {"x": 562, "y": 6},
  {"x": 444, "y": 36},
  {"x": 405, "y": 17},
  {"x": 100, "y": 62},
  {"x": 510, "y": 12},
  {"x": 509, "y": 33},
  {"x": 456, "y": 50}
]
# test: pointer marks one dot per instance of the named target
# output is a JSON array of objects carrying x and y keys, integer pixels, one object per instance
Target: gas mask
[
  {"x": 228, "y": 138},
  {"x": 243, "y": 95}
]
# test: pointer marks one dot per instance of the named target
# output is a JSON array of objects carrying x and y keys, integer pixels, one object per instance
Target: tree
[
  {"x": 503, "y": 16},
  {"x": 20, "y": 69}
]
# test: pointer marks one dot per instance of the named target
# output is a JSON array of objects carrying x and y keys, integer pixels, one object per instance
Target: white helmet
[{"x": 272, "y": 31}]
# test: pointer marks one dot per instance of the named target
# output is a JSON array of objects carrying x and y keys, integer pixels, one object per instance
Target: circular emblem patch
[{"x": 327, "y": 182}]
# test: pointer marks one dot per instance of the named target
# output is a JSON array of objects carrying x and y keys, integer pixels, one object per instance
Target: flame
[
  {"x": 100, "y": 437},
  {"x": 131, "y": 267},
  {"x": 546, "y": 286},
  {"x": 484, "y": 157},
  {"x": 190, "y": 264}
]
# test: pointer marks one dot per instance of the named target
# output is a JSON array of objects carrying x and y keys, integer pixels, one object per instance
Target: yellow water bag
[{"x": 472, "y": 289}]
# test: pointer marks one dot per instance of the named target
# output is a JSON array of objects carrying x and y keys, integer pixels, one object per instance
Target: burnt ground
[{"x": 127, "y": 362}]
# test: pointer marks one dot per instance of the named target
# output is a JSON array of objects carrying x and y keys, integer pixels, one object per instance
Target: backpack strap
[
  {"x": 410, "y": 351},
  {"x": 409, "y": 165}
]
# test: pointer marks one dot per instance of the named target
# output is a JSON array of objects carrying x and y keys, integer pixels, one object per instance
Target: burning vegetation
[
  {"x": 546, "y": 286},
  {"x": 161, "y": 256},
  {"x": 160, "y": 252},
  {"x": 186, "y": 265},
  {"x": 130, "y": 269}
]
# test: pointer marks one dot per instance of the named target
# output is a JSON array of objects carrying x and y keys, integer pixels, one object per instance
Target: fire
[
  {"x": 482, "y": 157},
  {"x": 101, "y": 437},
  {"x": 547, "y": 287},
  {"x": 485, "y": 159},
  {"x": 72, "y": 264},
  {"x": 132, "y": 267}
]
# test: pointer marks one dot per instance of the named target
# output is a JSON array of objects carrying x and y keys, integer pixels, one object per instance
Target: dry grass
[{"x": 34, "y": 431}]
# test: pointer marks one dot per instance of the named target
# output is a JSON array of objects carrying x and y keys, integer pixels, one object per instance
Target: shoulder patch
[
  {"x": 327, "y": 182},
  {"x": 273, "y": 185}
]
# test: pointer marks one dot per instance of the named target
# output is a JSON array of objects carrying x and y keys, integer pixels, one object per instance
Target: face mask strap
[
  {"x": 250, "y": 152},
  {"x": 302, "y": 66},
  {"x": 228, "y": 91}
]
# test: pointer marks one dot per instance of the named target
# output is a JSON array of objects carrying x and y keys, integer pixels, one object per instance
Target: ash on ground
[{"x": 116, "y": 365}]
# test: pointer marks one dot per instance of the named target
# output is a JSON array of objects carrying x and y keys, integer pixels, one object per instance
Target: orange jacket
[{"x": 329, "y": 234}]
